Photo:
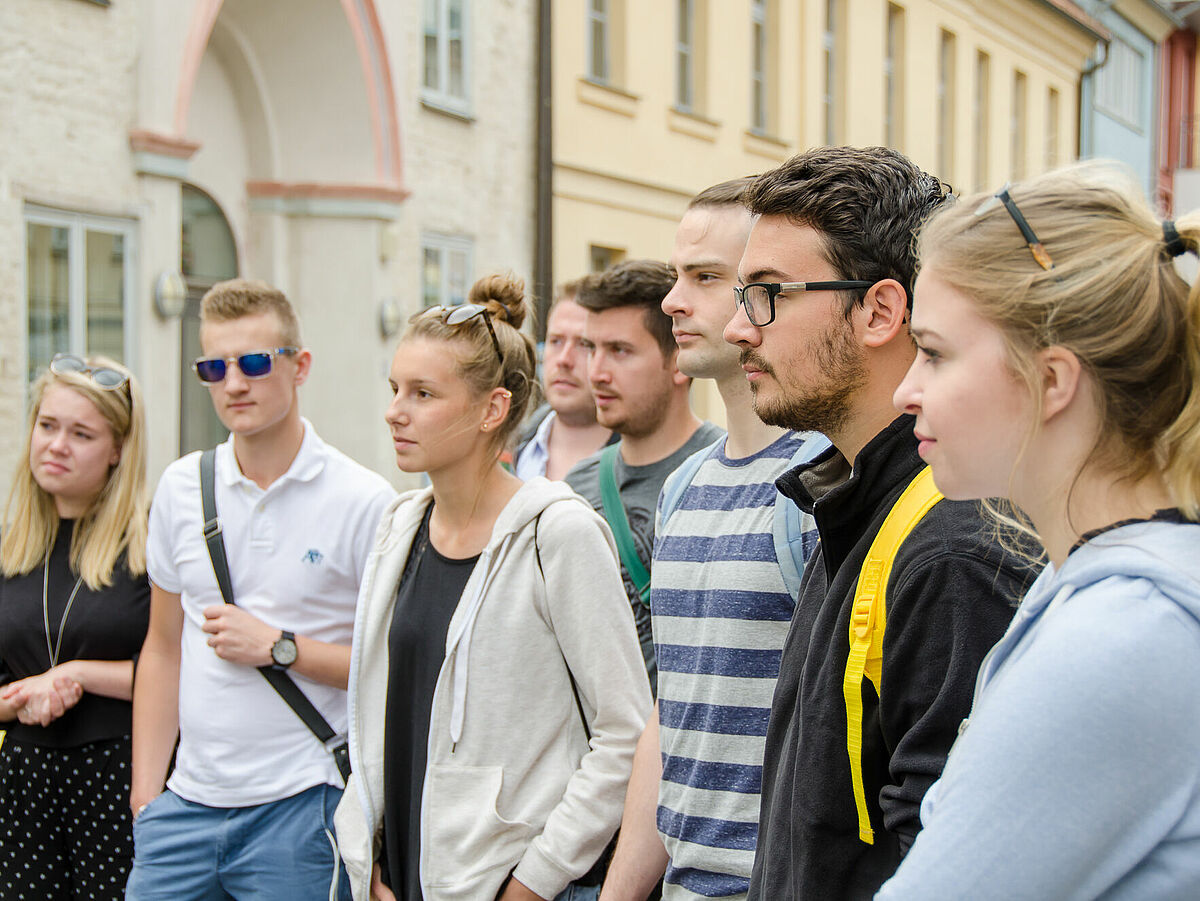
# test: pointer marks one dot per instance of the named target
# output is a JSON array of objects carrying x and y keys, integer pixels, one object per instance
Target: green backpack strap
[{"x": 614, "y": 512}]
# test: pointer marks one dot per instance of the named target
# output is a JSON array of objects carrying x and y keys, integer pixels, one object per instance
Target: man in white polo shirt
[{"x": 249, "y": 806}]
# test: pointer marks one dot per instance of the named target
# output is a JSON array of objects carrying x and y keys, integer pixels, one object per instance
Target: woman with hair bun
[
  {"x": 74, "y": 607},
  {"x": 496, "y": 685},
  {"x": 1059, "y": 368}
]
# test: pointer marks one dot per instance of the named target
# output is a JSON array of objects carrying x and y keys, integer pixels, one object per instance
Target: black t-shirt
[
  {"x": 109, "y": 624},
  {"x": 428, "y": 594}
]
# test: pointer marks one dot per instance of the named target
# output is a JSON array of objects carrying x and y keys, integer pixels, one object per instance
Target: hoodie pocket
[{"x": 469, "y": 842}]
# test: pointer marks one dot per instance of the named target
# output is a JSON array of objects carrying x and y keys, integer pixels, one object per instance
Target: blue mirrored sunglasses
[{"x": 256, "y": 364}]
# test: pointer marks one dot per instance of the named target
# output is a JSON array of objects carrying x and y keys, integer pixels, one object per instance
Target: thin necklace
[{"x": 62, "y": 624}]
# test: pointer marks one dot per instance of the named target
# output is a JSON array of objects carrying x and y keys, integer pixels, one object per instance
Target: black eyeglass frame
[
  {"x": 1040, "y": 254},
  {"x": 465, "y": 312},
  {"x": 271, "y": 353},
  {"x": 774, "y": 289},
  {"x": 78, "y": 366}
]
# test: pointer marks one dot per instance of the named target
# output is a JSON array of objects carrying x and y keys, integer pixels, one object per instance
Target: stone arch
[{"x": 316, "y": 87}]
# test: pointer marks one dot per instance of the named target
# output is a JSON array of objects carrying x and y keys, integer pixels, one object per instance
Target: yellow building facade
[{"x": 653, "y": 102}]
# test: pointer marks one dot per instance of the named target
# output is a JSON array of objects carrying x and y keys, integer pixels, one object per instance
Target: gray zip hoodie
[
  {"x": 1079, "y": 774},
  {"x": 511, "y": 784}
]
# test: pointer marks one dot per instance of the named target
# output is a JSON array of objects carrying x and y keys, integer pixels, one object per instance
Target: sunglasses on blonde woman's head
[
  {"x": 465, "y": 312},
  {"x": 257, "y": 364},
  {"x": 104, "y": 376}
]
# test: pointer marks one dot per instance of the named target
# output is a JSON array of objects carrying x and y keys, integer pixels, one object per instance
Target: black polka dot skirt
[{"x": 65, "y": 829}]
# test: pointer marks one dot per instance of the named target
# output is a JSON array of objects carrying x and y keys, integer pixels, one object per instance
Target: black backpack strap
[{"x": 280, "y": 680}]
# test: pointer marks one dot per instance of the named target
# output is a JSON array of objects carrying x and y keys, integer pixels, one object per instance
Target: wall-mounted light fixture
[
  {"x": 391, "y": 317},
  {"x": 170, "y": 293}
]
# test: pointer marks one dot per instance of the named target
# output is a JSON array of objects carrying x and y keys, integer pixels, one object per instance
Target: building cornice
[
  {"x": 326, "y": 199},
  {"x": 1076, "y": 13}
]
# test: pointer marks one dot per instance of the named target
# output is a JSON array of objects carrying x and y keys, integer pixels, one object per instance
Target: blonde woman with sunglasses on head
[
  {"x": 1059, "y": 367},
  {"x": 74, "y": 606},
  {"x": 496, "y": 683}
]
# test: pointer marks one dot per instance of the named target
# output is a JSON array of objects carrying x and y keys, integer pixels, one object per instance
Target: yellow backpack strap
[{"x": 868, "y": 618}]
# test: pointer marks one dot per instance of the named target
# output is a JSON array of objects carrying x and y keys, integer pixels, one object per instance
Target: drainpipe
[
  {"x": 1089, "y": 70},
  {"x": 543, "y": 264}
]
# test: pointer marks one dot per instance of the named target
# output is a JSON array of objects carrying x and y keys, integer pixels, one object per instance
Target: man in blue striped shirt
[{"x": 720, "y": 602}]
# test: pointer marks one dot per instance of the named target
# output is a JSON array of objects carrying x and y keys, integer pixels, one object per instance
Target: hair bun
[{"x": 503, "y": 295}]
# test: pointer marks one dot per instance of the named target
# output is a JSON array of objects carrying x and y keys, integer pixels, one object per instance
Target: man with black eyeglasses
[
  {"x": 862, "y": 718},
  {"x": 248, "y": 809}
]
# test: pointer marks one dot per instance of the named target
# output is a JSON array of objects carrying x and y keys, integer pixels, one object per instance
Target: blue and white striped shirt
[{"x": 721, "y": 612}]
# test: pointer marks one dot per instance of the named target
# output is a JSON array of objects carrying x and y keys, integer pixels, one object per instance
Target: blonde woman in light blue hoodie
[
  {"x": 496, "y": 684},
  {"x": 1059, "y": 367}
]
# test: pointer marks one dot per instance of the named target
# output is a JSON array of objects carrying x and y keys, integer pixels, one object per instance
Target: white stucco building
[{"x": 366, "y": 156}]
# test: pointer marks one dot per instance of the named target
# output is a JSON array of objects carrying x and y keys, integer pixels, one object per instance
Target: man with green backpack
[{"x": 640, "y": 394}]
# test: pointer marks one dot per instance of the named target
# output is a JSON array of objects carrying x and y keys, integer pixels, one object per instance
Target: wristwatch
[{"x": 283, "y": 652}]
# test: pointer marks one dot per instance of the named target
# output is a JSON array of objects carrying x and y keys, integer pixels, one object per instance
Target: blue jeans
[
  {"x": 579, "y": 893},
  {"x": 280, "y": 851}
]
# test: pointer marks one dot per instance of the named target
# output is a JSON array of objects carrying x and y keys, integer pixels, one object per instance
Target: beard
[{"x": 821, "y": 406}]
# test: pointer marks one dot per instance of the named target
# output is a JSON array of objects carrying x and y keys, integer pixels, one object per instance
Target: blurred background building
[
  {"x": 367, "y": 157},
  {"x": 374, "y": 156}
]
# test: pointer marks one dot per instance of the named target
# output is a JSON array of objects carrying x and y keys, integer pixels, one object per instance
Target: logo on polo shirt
[{"x": 313, "y": 556}]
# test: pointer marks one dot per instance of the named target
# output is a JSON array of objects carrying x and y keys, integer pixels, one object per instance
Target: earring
[{"x": 485, "y": 426}]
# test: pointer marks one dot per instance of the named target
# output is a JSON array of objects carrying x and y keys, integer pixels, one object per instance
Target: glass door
[{"x": 208, "y": 256}]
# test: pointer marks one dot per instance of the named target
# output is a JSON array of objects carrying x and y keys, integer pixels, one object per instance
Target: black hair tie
[{"x": 1174, "y": 243}]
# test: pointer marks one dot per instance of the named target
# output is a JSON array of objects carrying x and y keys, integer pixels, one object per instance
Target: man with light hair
[{"x": 248, "y": 808}]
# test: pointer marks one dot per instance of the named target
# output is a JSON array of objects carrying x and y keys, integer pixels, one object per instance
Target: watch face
[{"x": 283, "y": 652}]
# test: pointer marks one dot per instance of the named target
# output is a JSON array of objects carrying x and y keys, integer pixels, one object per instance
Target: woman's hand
[
  {"x": 40, "y": 700},
  {"x": 379, "y": 891},
  {"x": 516, "y": 891}
]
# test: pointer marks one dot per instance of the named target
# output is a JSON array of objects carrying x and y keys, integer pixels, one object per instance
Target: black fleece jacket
[{"x": 950, "y": 596}]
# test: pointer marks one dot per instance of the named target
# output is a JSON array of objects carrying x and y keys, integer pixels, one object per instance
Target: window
[
  {"x": 599, "y": 23},
  {"x": 445, "y": 270},
  {"x": 79, "y": 273},
  {"x": 831, "y": 98},
  {"x": 600, "y": 258},
  {"x": 982, "y": 118},
  {"x": 893, "y": 77},
  {"x": 1119, "y": 83},
  {"x": 945, "y": 105},
  {"x": 1052, "y": 114},
  {"x": 446, "y": 58},
  {"x": 685, "y": 55},
  {"x": 1018, "y": 125},
  {"x": 759, "y": 120}
]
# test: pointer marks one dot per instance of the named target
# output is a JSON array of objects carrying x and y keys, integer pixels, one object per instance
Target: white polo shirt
[{"x": 296, "y": 555}]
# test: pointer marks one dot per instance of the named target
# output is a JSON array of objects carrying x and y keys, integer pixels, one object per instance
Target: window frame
[
  {"x": 1019, "y": 126},
  {"x": 831, "y": 96},
  {"x": 602, "y": 19},
  {"x": 445, "y": 244},
  {"x": 1120, "y": 84},
  {"x": 947, "y": 73},
  {"x": 441, "y": 97},
  {"x": 893, "y": 76},
  {"x": 78, "y": 224},
  {"x": 760, "y": 52},
  {"x": 982, "y": 115},
  {"x": 685, "y": 55}
]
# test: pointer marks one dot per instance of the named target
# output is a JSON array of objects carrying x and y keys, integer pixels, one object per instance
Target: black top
[
  {"x": 950, "y": 596},
  {"x": 109, "y": 624},
  {"x": 428, "y": 594}
]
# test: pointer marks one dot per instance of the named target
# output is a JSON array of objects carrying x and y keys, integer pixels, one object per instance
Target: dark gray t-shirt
[{"x": 639, "y": 487}]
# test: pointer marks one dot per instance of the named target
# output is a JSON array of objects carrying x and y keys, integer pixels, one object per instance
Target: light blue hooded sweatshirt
[{"x": 1077, "y": 775}]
